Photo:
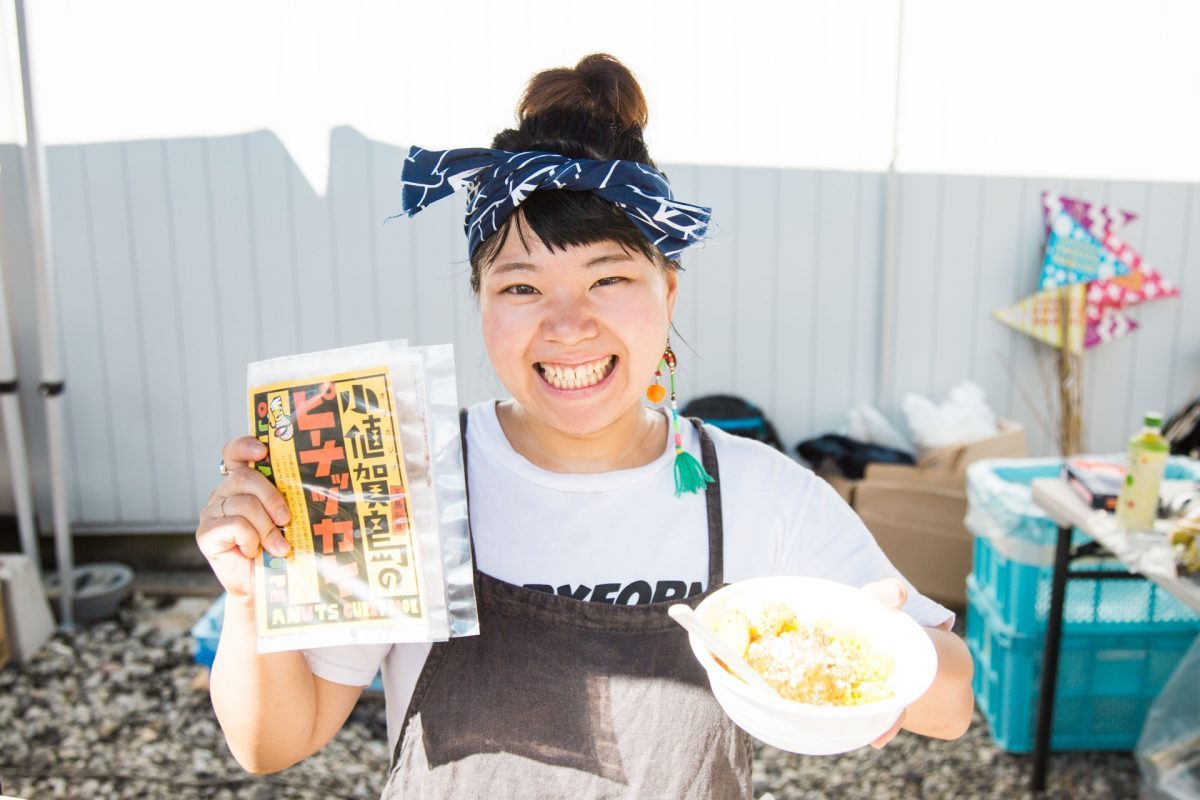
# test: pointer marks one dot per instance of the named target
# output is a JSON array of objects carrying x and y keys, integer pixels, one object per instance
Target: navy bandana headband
[{"x": 497, "y": 181}]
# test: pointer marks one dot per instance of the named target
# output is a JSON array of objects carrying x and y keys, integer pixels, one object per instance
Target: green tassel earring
[{"x": 690, "y": 475}]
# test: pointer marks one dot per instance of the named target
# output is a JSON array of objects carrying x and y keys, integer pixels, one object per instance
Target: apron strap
[
  {"x": 712, "y": 499},
  {"x": 462, "y": 438}
]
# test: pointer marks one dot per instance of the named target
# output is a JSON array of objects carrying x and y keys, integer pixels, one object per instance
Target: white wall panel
[
  {"x": 1184, "y": 381},
  {"x": 208, "y": 402},
  {"x": 348, "y": 204},
  {"x": 798, "y": 242},
  {"x": 1149, "y": 377},
  {"x": 161, "y": 333},
  {"x": 835, "y": 323},
  {"x": 238, "y": 282},
  {"x": 714, "y": 280},
  {"x": 866, "y": 294},
  {"x": 91, "y": 455},
  {"x": 754, "y": 273},
  {"x": 953, "y": 289},
  {"x": 273, "y": 245}
]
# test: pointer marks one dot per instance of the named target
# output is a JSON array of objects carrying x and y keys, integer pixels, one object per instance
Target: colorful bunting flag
[
  {"x": 1093, "y": 271},
  {"x": 1111, "y": 326},
  {"x": 1100, "y": 221},
  {"x": 1040, "y": 316},
  {"x": 1142, "y": 283},
  {"x": 1075, "y": 256}
]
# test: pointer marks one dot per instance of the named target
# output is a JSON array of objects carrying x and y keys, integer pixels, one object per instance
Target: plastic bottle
[{"x": 1137, "y": 505}]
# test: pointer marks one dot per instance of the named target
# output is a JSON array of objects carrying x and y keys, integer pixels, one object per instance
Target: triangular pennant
[
  {"x": 1100, "y": 221},
  {"x": 1075, "y": 256},
  {"x": 1040, "y": 316},
  {"x": 1110, "y": 327},
  {"x": 1141, "y": 284}
]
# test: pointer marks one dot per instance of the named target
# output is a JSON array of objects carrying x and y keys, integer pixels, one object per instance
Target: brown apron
[{"x": 558, "y": 697}]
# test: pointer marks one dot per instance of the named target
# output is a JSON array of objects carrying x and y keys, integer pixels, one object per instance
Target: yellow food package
[{"x": 363, "y": 444}]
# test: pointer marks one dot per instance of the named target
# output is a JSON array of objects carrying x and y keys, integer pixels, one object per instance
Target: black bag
[
  {"x": 734, "y": 415},
  {"x": 850, "y": 455},
  {"x": 1183, "y": 430}
]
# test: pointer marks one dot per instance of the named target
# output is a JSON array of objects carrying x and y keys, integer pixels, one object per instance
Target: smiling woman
[{"x": 584, "y": 532}]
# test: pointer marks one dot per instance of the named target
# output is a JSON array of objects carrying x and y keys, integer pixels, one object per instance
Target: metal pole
[
  {"x": 1053, "y": 645},
  {"x": 37, "y": 197},
  {"x": 14, "y": 434}
]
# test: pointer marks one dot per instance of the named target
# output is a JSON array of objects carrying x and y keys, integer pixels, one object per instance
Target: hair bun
[{"x": 599, "y": 87}]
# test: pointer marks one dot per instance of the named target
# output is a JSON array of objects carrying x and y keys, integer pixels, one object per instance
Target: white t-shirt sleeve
[
  {"x": 351, "y": 665},
  {"x": 828, "y": 540}
]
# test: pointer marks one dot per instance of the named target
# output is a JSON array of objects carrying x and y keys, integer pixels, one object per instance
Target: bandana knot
[{"x": 498, "y": 181}]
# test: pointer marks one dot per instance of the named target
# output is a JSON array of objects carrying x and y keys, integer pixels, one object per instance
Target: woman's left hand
[{"x": 892, "y": 594}]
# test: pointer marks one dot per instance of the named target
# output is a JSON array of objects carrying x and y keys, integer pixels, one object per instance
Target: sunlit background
[{"x": 1071, "y": 88}]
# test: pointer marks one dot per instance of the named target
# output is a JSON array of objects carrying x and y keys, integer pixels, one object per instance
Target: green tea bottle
[{"x": 1137, "y": 505}]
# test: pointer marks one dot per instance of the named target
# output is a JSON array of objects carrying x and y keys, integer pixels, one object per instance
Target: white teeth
[{"x": 577, "y": 377}]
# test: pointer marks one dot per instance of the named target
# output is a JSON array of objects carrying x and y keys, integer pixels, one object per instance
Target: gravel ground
[{"x": 112, "y": 711}]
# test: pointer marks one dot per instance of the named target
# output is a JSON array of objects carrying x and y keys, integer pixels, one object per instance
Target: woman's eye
[
  {"x": 519, "y": 288},
  {"x": 610, "y": 280}
]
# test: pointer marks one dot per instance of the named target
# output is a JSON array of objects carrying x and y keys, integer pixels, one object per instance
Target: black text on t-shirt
[{"x": 630, "y": 594}]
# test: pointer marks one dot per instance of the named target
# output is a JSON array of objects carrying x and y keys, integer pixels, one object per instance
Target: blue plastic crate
[
  {"x": 207, "y": 632},
  {"x": 1020, "y": 593},
  {"x": 1106, "y": 681},
  {"x": 1013, "y": 553}
]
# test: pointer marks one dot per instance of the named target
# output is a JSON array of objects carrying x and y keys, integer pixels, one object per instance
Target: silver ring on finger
[{"x": 224, "y": 469}]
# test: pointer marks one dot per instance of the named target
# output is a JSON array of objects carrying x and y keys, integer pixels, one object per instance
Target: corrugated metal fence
[{"x": 180, "y": 261}]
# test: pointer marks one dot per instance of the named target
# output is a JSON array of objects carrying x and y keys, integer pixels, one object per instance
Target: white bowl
[{"x": 814, "y": 729}]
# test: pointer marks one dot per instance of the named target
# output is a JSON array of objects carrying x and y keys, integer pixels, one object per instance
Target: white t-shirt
[{"x": 624, "y": 537}]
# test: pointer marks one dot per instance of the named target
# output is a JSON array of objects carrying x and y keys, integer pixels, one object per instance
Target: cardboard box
[
  {"x": 920, "y": 529},
  {"x": 841, "y": 484},
  {"x": 916, "y": 512},
  {"x": 1009, "y": 442}
]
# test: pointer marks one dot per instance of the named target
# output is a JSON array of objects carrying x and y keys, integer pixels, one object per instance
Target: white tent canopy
[{"x": 1079, "y": 88}]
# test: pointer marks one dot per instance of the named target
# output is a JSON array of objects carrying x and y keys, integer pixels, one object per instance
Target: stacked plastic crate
[{"x": 1121, "y": 638}]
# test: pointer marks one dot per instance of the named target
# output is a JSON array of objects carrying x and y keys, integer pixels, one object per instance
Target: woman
[{"x": 590, "y": 512}]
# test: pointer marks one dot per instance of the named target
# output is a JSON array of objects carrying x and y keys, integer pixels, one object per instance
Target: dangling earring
[
  {"x": 655, "y": 393},
  {"x": 690, "y": 475}
]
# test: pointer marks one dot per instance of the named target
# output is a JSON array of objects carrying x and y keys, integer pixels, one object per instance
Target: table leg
[{"x": 1053, "y": 644}]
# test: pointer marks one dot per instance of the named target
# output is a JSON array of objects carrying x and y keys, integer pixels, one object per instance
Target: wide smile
[{"x": 571, "y": 378}]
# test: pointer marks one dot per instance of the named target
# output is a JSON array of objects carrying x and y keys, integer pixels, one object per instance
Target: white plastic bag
[
  {"x": 868, "y": 424},
  {"x": 1168, "y": 751},
  {"x": 364, "y": 445},
  {"x": 964, "y": 417}
]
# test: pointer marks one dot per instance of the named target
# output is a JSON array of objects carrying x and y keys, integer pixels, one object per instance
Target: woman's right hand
[{"x": 243, "y": 515}]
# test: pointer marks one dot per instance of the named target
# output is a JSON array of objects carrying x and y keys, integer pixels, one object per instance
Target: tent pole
[
  {"x": 14, "y": 434},
  {"x": 52, "y": 386}
]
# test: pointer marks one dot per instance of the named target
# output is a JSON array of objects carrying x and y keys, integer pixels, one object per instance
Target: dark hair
[{"x": 594, "y": 110}]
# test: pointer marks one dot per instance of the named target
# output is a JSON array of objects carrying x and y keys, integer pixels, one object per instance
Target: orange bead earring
[{"x": 656, "y": 392}]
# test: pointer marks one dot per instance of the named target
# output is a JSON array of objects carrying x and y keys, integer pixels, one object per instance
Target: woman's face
[{"x": 575, "y": 335}]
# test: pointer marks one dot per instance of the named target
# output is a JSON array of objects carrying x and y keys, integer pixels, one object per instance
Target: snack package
[{"x": 364, "y": 445}]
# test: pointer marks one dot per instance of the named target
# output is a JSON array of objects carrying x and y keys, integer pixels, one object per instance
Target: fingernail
[
  {"x": 282, "y": 516},
  {"x": 258, "y": 448},
  {"x": 278, "y": 545}
]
